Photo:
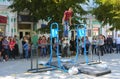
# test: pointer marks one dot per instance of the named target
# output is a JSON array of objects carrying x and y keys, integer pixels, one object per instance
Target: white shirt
[
  {"x": 100, "y": 42},
  {"x": 118, "y": 40}
]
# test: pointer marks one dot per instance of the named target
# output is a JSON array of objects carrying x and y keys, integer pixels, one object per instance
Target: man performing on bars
[{"x": 66, "y": 21}]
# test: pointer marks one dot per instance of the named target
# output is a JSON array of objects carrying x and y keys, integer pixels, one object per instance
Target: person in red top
[
  {"x": 12, "y": 47},
  {"x": 43, "y": 43},
  {"x": 66, "y": 21}
]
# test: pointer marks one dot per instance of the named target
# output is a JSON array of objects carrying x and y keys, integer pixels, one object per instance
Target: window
[
  {"x": 14, "y": 19},
  {"x": 11, "y": 19}
]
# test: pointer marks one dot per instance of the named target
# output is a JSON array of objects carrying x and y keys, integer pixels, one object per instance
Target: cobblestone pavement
[{"x": 17, "y": 69}]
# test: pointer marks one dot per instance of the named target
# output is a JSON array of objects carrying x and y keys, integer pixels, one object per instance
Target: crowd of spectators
[{"x": 12, "y": 48}]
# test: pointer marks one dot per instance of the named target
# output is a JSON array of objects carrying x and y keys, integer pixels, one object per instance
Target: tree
[
  {"x": 108, "y": 12},
  {"x": 44, "y": 9}
]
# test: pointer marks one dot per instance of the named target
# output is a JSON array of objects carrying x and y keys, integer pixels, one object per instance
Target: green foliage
[
  {"x": 108, "y": 12},
  {"x": 42, "y": 9}
]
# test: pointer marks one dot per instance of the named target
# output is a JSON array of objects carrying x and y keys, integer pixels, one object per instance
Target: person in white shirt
[
  {"x": 94, "y": 43},
  {"x": 118, "y": 43},
  {"x": 100, "y": 44}
]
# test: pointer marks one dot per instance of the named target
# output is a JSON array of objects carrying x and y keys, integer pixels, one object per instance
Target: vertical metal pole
[
  {"x": 37, "y": 58},
  {"x": 50, "y": 50},
  {"x": 57, "y": 39},
  {"x": 58, "y": 52},
  {"x": 76, "y": 58},
  {"x": 86, "y": 57},
  {"x": 51, "y": 53},
  {"x": 50, "y": 60},
  {"x": 31, "y": 57}
]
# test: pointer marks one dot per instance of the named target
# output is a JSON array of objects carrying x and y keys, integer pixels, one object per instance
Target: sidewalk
[{"x": 16, "y": 69}]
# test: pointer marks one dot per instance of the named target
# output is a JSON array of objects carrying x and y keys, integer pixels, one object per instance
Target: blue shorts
[{"x": 66, "y": 28}]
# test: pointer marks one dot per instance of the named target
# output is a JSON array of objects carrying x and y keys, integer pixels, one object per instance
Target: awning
[{"x": 3, "y": 19}]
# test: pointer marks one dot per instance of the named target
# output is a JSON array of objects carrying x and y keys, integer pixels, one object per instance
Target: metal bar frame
[
  {"x": 77, "y": 52},
  {"x": 61, "y": 67}
]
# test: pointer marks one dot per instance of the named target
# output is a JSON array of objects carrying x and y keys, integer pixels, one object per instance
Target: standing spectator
[
  {"x": 48, "y": 46},
  {"x": 114, "y": 45},
  {"x": 94, "y": 43},
  {"x": 40, "y": 38},
  {"x": 72, "y": 46},
  {"x": 60, "y": 46},
  {"x": 54, "y": 45},
  {"x": 43, "y": 43},
  {"x": 64, "y": 47},
  {"x": 118, "y": 44},
  {"x": 20, "y": 48},
  {"x": 34, "y": 43},
  {"x": 26, "y": 49},
  {"x": 1, "y": 48},
  {"x": 80, "y": 46},
  {"x": 100, "y": 44},
  {"x": 8, "y": 38},
  {"x": 6, "y": 53},
  {"x": 30, "y": 43},
  {"x": 23, "y": 42},
  {"x": 34, "y": 39},
  {"x": 86, "y": 42},
  {"x": 87, "y": 45},
  {"x": 105, "y": 46},
  {"x": 28, "y": 38},
  {"x": 16, "y": 45},
  {"x": 12, "y": 47},
  {"x": 110, "y": 44}
]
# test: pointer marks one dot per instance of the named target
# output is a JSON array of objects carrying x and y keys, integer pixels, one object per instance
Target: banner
[{"x": 3, "y": 19}]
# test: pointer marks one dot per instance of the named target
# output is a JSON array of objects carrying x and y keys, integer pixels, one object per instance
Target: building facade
[
  {"x": 8, "y": 19},
  {"x": 14, "y": 23}
]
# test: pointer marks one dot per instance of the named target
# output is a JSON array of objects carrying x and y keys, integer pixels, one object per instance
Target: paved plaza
[{"x": 17, "y": 69}]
